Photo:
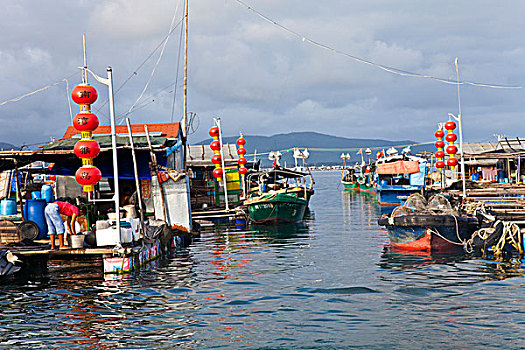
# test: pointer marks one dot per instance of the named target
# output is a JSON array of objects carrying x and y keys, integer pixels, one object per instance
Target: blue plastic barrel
[
  {"x": 34, "y": 211},
  {"x": 383, "y": 183},
  {"x": 35, "y": 195},
  {"x": 8, "y": 206},
  {"x": 47, "y": 193},
  {"x": 474, "y": 177}
]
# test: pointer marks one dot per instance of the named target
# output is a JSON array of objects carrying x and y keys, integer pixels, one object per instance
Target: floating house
[{"x": 158, "y": 156}]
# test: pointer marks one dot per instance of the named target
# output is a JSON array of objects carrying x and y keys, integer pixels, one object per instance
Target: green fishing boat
[{"x": 275, "y": 208}]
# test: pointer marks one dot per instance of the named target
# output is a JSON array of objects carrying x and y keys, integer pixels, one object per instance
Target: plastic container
[
  {"x": 34, "y": 211},
  {"x": 8, "y": 206},
  {"x": 35, "y": 195},
  {"x": 77, "y": 241},
  {"x": 47, "y": 193}
]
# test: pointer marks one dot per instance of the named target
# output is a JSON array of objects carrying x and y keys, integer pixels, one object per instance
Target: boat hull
[
  {"x": 276, "y": 209},
  {"x": 394, "y": 195},
  {"x": 350, "y": 186},
  {"x": 429, "y": 232}
]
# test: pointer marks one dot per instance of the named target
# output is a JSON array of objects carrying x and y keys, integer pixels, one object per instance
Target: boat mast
[
  {"x": 460, "y": 134},
  {"x": 185, "y": 104}
]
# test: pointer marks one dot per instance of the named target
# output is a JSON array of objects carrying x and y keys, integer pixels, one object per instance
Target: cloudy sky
[{"x": 259, "y": 77}]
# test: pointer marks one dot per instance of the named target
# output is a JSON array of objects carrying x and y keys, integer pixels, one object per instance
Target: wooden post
[
  {"x": 18, "y": 191},
  {"x": 137, "y": 181}
]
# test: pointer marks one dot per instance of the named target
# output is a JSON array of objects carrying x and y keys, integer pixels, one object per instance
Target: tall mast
[{"x": 185, "y": 105}]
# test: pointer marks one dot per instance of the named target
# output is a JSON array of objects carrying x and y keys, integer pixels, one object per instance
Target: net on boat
[
  {"x": 440, "y": 204},
  {"x": 416, "y": 202}
]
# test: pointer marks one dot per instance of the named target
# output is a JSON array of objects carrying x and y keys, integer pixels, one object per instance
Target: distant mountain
[
  {"x": 6, "y": 146},
  {"x": 323, "y": 149}
]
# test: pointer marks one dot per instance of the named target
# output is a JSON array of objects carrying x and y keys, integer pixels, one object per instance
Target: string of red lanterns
[
  {"x": 440, "y": 154},
  {"x": 241, "y": 152},
  {"x": 86, "y": 148},
  {"x": 216, "y": 148},
  {"x": 452, "y": 150}
]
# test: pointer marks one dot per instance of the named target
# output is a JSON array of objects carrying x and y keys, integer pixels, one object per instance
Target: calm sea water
[{"x": 332, "y": 283}]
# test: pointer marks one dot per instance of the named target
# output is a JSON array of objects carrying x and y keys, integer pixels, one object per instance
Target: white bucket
[{"x": 77, "y": 241}]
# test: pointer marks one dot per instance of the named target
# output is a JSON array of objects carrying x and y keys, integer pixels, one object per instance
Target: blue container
[
  {"x": 8, "y": 206},
  {"x": 474, "y": 177},
  {"x": 47, "y": 193},
  {"x": 35, "y": 195},
  {"x": 34, "y": 211}
]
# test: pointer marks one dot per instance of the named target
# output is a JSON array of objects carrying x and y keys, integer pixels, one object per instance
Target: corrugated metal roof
[
  {"x": 201, "y": 154},
  {"x": 479, "y": 147},
  {"x": 167, "y": 130},
  {"x": 511, "y": 145}
]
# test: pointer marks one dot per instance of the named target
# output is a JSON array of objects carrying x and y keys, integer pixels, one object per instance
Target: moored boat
[
  {"x": 274, "y": 208},
  {"x": 398, "y": 176},
  {"x": 433, "y": 227}
]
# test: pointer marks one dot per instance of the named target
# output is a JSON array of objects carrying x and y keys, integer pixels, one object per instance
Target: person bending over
[{"x": 55, "y": 225}]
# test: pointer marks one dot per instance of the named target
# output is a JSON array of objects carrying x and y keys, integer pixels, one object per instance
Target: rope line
[{"x": 389, "y": 69}]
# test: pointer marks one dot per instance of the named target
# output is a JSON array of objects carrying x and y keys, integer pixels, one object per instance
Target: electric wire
[
  {"x": 389, "y": 69},
  {"x": 172, "y": 26}
]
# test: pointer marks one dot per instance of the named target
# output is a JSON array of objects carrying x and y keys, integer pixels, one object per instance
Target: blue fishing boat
[{"x": 398, "y": 176}]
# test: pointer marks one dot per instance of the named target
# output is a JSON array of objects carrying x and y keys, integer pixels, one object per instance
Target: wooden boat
[
  {"x": 397, "y": 177},
  {"x": 275, "y": 208},
  {"x": 278, "y": 196},
  {"x": 435, "y": 226},
  {"x": 349, "y": 180}
]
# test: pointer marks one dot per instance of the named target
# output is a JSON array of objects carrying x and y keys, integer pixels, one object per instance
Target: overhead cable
[{"x": 392, "y": 70}]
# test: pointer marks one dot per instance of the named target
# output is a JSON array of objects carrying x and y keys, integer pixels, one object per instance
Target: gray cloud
[{"x": 263, "y": 80}]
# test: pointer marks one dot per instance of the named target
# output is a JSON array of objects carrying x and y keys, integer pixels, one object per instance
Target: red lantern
[
  {"x": 87, "y": 149},
  {"x": 217, "y": 173},
  {"x": 439, "y": 154},
  {"x": 452, "y": 149},
  {"x": 241, "y": 151},
  {"x": 452, "y": 162},
  {"x": 52, "y": 177},
  {"x": 450, "y": 125},
  {"x": 216, "y": 159},
  {"x": 215, "y": 145},
  {"x": 84, "y": 94},
  {"x": 440, "y": 164},
  {"x": 241, "y": 141},
  {"x": 242, "y": 161},
  {"x": 451, "y": 137},
  {"x": 214, "y": 131},
  {"x": 439, "y": 144},
  {"x": 88, "y": 175},
  {"x": 439, "y": 133},
  {"x": 85, "y": 121},
  {"x": 243, "y": 171}
]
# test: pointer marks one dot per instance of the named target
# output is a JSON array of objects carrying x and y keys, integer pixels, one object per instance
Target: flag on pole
[{"x": 360, "y": 151}]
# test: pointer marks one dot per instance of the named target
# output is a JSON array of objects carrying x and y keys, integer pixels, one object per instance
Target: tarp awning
[{"x": 399, "y": 167}]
